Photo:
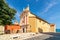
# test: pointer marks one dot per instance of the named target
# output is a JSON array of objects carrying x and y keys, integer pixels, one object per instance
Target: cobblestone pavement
[
  {"x": 31, "y": 36},
  {"x": 19, "y": 36},
  {"x": 47, "y": 36}
]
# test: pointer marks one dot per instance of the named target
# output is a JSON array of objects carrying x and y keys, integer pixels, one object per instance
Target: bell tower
[{"x": 24, "y": 19}]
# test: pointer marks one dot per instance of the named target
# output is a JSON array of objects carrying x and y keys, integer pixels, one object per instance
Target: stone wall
[{"x": 1, "y": 29}]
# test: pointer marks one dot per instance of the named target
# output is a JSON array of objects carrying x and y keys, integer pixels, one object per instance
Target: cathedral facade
[{"x": 30, "y": 22}]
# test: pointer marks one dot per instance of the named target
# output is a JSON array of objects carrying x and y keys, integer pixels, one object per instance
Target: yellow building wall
[
  {"x": 38, "y": 25},
  {"x": 43, "y": 26},
  {"x": 32, "y": 23}
]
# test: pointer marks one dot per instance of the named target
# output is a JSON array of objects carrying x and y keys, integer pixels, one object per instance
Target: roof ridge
[{"x": 40, "y": 18}]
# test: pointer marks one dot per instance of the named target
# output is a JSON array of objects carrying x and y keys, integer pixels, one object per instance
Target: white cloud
[
  {"x": 50, "y": 5},
  {"x": 54, "y": 17},
  {"x": 17, "y": 15}
]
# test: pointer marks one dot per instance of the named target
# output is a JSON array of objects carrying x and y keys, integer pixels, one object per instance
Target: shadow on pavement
[{"x": 55, "y": 36}]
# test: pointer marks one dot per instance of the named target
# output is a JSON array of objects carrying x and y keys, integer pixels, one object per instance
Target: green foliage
[{"x": 6, "y": 13}]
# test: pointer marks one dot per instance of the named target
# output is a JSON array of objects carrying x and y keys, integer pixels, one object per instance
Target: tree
[{"x": 6, "y": 13}]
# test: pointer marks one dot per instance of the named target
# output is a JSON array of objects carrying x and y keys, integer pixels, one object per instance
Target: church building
[{"x": 30, "y": 22}]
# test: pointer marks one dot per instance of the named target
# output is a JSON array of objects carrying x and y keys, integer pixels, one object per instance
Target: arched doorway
[{"x": 40, "y": 30}]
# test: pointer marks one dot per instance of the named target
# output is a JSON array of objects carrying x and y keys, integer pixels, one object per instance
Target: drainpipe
[{"x": 26, "y": 22}]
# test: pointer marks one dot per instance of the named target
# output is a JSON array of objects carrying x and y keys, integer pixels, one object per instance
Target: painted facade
[{"x": 32, "y": 23}]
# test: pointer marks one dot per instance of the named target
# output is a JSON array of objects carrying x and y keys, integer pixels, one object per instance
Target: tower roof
[{"x": 26, "y": 9}]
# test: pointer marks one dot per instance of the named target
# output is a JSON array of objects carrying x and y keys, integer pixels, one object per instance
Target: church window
[
  {"x": 43, "y": 22},
  {"x": 40, "y": 21}
]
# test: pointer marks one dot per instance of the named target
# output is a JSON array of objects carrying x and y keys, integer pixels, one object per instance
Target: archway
[{"x": 40, "y": 30}]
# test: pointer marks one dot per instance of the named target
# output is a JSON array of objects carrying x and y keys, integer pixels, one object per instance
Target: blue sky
[{"x": 48, "y": 10}]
